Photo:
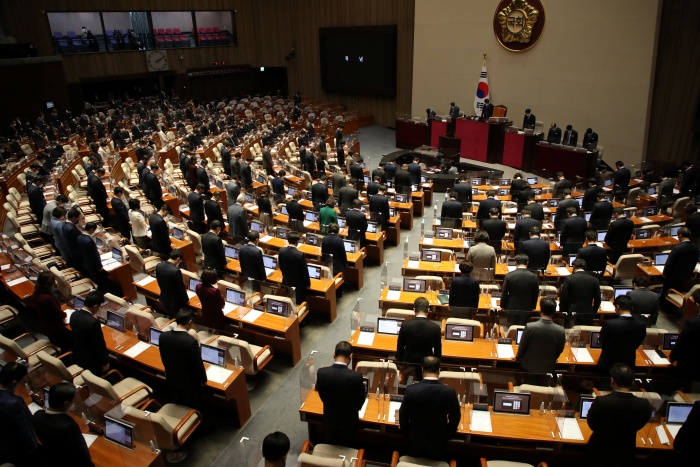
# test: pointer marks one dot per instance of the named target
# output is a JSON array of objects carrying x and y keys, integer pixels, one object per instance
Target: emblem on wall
[{"x": 518, "y": 24}]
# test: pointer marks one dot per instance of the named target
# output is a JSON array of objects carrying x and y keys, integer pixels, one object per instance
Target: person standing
[
  {"x": 295, "y": 272},
  {"x": 213, "y": 248},
  {"x": 18, "y": 444},
  {"x": 238, "y": 219},
  {"x": 486, "y": 205},
  {"x": 464, "y": 289},
  {"x": 686, "y": 352},
  {"x": 602, "y": 213},
  {"x": 561, "y": 185},
  {"x": 680, "y": 264},
  {"x": 573, "y": 232},
  {"x": 48, "y": 309},
  {"x": 138, "y": 224},
  {"x": 332, "y": 245},
  {"x": 645, "y": 302},
  {"x": 160, "y": 232},
  {"x": 195, "y": 202},
  {"x": 212, "y": 301},
  {"x": 319, "y": 192},
  {"x": 418, "y": 337},
  {"x": 184, "y": 369},
  {"x": 520, "y": 292},
  {"x": 590, "y": 196},
  {"x": 593, "y": 254},
  {"x": 615, "y": 419},
  {"x": 153, "y": 190},
  {"x": 98, "y": 193},
  {"x": 621, "y": 180},
  {"x": 356, "y": 223},
  {"x": 121, "y": 213},
  {"x": 537, "y": 250},
  {"x": 496, "y": 228},
  {"x": 250, "y": 258},
  {"x": 580, "y": 294},
  {"x": 430, "y": 413},
  {"x": 570, "y": 136},
  {"x": 620, "y": 337},
  {"x": 482, "y": 256},
  {"x": 37, "y": 201},
  {"x": 327, "y": 215},
  {"x": 487, "y": 110},
  {"x": 342, "y": 392},
  {"x": 212, "y": 208},
  {"x": 554, "y": 134},
  {"x": 529, "y": 120},
  {"x": 523, "y": 227},
  {"x": 173, "y": 294},
  {"x": 542, "y": 341},
  {"x": 89, "y": 349},
  {"x": 619, "y": 233}
]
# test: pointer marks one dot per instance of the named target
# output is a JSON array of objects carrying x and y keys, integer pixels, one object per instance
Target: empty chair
[
  {"x": 329, "y": 455},
  {"x": 144, "y": 318},
  {"x": 300, "y": 311},
  {"x": 432, "y": 282},
  {"x": 478, "y": 326},
  {"x": 410, "y": 461},
  {"x": 513, "y": 331},
  {"x": 540, "y": 394},
  {"x": 127, "y": 391},
  {"x": 677, "y": 210},
  {"x": 27, "y": 352},
  {"x": 384, "y": 372},
  {"x": 632, "y": 195},
  {"x": 485, "y": 463},
  {"x": 7, "y": 314},
  {"x": 253, "y": 357},
  {"x": 398, "y": 313},
  {"x": 28, "y": 230},
  {"x": 54, "y": 365},
  {"x": 139, "y": 263},
  {"x": 626, "y": 266},
  {"x": 196, "y": 240},
  {"x": 70, "y": 289},
  {"x": 680, "y": 396},
  {"x": 655, "y": 336}
]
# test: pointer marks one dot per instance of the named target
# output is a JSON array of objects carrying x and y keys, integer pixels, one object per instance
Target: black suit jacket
[
  {"x": 418, "y": 338},
  {"x": 560, "y": 186},
  {"x": 90, "y": 262},
  {"x": 554, "y": 136},
  {"x": 580, "y": 294},
  {"x": 173, "y": 294},
  {"x": 646, "y": 302},
  {"x": 415, "y": 173},
  {"x": 529, "y": 121},
  {"x": 601, "y": 214},
  {"x": 61, "y": 439},
  {"x": 619, "y": 233},
  {"x": 184, "y": 369},
  {"x": 684, "y": 442},
  {"x": 615, "y": 420},
  {"x": 464, "y": 291},
  {"x": 89, "y": 348},
  {"x": 295, "y": 273},
  {"x": 619, "y": 339},
  {"x": 496, "y": 228},
  {"x": 212, "y": 209},
  {"x": 538, "y": 253},
  {"x": 372, "y": 188},
  {"x": 681, "y": 262},
  {"x": 346, "y": 195},
  {"x": 294, "y": 211},
  {"x": 622, "y": 179},
  {"x": 589, "y": 139},
  {"x": 380, "y": 204},
  {"x": 573, "y": 232},
  {"x": 686, "y": 352},
  {"x": 160, "y": 234},
  {"x": 213, "y": 250},
  {"x": 319, "y": 195},
  {"x": 357, "y": 172},
  {"x": 122, "y": 217},
  {"x": 464, "y": 192},
  {"x": 96, "y": 189},
  {"x": 251, "y": 260},
  {"x": 536, "y": 211},
  {"x": 429, "y": 415},
  {"x": 486, "y": 205},
  {"x": 590, "y": 197},
  {"x": 342, "y": 392},
  {"x": 451, "y": 209},
  {"x": 203, "y": 177},
  {"x": 561, "y": 210},
  {"x": 570, "y": 138},
  {"x": 402, "y": 180},
  {"x": 356, "y": 221},
  {"x": 379, "y": 173},
  {"x": 70, "y": 235},
  {"x": 246, "y": 175},
  {"x": 196, "y": 204},
  {"x": 37, "y": 201},
  {"x": 333, "y": 245},
  {"x": 521, "y": 289},
  {"x": 595, "y": 256},
  {"x": 153, "y": 190},
  {"x": 522, "y": 231}
]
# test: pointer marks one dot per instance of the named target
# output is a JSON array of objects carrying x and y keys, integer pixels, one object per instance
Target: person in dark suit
[
  {"x": 524, "y": 196},
  {"x": 454, "y": 111},
  {"x": 18, "y": 445},
  {"x": 373, "y": 186},
  {"x": 537, "y": 250},
  {"x": 680, "y": 264},
  {"x": 246, "y": 173},
  {"x": 620, "y": 337},
  {"x": 319, "y": 193},
  {"x": 212, "y": 208},
  {"x": 590, "y": 140},
  {"x": 521, "y": 289},
  {"x": 173, "y": 294},
  {"x": 573, "y": 232},
  {"x": 496, "y": 228},
  {"x": 664, "y": 191},
  {"x": 342, "y": 392},
  {"x": 570, "y": 136},
  {"x": 390, "y": 168},
  {"x": 310, "y": 161},
  {"x": 691, "y": 179},
  {"x": 332, "y": 244},
  {"x": 233, "y": 190},
  {"x": 615, "y": 419},
  {"x": 602, "y": 213},
  {"x": 463, "y": 190},
  {"x": 70, "y": 233},
  {"x": 414, "y": 171},
  {"x": 153, "y": 190},
  {"x": 339, "y": 181},
  {"x": 184, "y": 369},
  {"x": 693, "y": 223},
  {"x": 464, "y": 289},
  {"x": 267, "y": 160},
  {"x": 529, "y": 120},
  {"x": 91, "y": 264},
  {"x": 202, "y": 174},
  {"x": 295, "y": 212},
  {"x": 645, "y": 302},
  {"x": 89, "y": 348},
  {"x": 402, "y": 179},
  {"x": 379, "y": 205},
  {"x": 561, "y": 185},
  {"x": 278, "y": 189},
  {"x": 580, "y": 294},
  {"x": 37, "y": 201},
  {"x": 380, "y": 172},
  {"x": 357, "y": 173},
  {"x": 686, "y": 352},
  {"x": 590, "y": 196},
  {"x": 562, "y": 206},
  {"x": 212, "y": 315},
  {"x": 251, "y": 258},
  {"x": 486, "y": 205},
  {"x": 213, "y": 248},
  {"x": 226, "y": 157},
  {"x": 536, "y": 209},
  {"x": 451, "y": 212},
  {"x": 98, "y": 193},
  {"x": 356, "y": 223},
  {"x": 346, "y": 196},
  {"x": 517, "y": 184},
  {"x": 487, "y": 110},
  {"x": 554, "y": 134},
  {"x": 619, "y": 233},
  {"x": 523, "y": 227},
  {"x": 292, "y": 263},
  {"x": 687, "y": 436},
  {"x": 160, "y": 233},
  {"x": 121, "y": 213},
  {"x": 542, "y": 341},
  {"x": 430, "y": 412},
  {"x": 418, "y": 337},
  {"x": 595, "y": 256},
  {"x": 237, "y": 219},
  {"x": 195, "y": 200},
  {"x": 60, "y": 436},
  {"x": 621, "y": 180}
]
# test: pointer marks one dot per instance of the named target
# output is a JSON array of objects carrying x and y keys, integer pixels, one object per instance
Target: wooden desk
[
  {"x": 418, "y": 198},
  {"x": 232, "y": 394},
  {"x": 660, "y": 219},
  {"x": 405, "y": 213},
  {"x": 122, "y": 274},
  {"x": 393, "y": 231}
]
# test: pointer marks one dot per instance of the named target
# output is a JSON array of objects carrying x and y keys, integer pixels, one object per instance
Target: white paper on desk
[
  {"x": 505, "y": 351},
  {"x": 466, "y": 245},
  {"x": 655, "y": 358},
  {"x": 569, "y": 429},
  {"x": 252, "y": 315},
  {"x": 365, "y": 338},
  {"x": 413, "y": 264},
  {"x": 137, "y": 349},
  {"x": 512, "y": 268},
  {"x": 393, "y": 407},
  {"x": 582, "y": 355},
  {"x": 562, "y": 271},
  {"x": 5, "y": 267},
  {"x": 307, "y": 223},
  {"x": 106, "y": 256},
  {"x": 69, "y": 312},
  {"x": 145, "y": 281},
  {"x": 495, "y": 302},
  {"x": 266, "y": 238},
  {"x": 190, "y": 294},
  {"x": 428, "y": 240},
  {"x": 111, "y": 266},
  {"x": 89, "y": 439},
  {"x": 361, "y": 413},
  {"x": 34, "y": 407},
  {"x": 17, "y": 281},
  {"x": 229, "y": 307},
  {"x": 481, "y": 421},
  {"x": 511, "y": 225},
  {"x": 218, "y": 374},
  {"x": 607, "y": 306},
  {"x": 438, "y": 221},
  {"x": 644, "y": 219},
  {"x": 456, "y": 269},
  {"x": 672, "y": 428},
  {"x": 393, "y": 295},
  {"x": 548, "y": 226}
]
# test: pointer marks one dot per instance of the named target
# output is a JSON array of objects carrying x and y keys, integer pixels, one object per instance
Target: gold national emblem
[{"x": 518, "y": 24}]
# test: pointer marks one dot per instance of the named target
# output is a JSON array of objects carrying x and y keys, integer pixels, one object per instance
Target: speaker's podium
[
  {"x": 482, "y": 141},
  {"x": 519, "y": 148}
]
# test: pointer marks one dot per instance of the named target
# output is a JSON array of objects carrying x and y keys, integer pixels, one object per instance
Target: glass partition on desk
[
  {"x": 270, "y": 297},
  {"x": 126, "y": 426},
  {"x": 309, "y": 369},
  {"x": 449, "y": 222}
]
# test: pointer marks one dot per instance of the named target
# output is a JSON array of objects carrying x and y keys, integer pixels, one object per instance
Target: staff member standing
[
  {"x": 419, "y": 337},
  {"x": 542, "y": 342},
  {"x": 90, "y": 349}
]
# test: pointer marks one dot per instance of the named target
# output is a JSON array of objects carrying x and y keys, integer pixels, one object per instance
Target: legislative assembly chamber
[{"x": 318, "y": 233}]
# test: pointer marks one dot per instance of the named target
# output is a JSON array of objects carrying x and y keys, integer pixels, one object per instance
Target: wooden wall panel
[{"x": 267, "y": 31}]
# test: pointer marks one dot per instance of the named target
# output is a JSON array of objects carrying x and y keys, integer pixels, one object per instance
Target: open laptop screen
[
  {"x": 388, "y": 326},
  {"x": 277, "y": 307},
  {"x": 519, "y": 336},
  {"x": 673, "y": 232},
  {"x": 213, "y": 355},
  {"x": 231, "y": 252},
  {"x": 621, "y": 290},
  {"x": 257, "y": 226},
  {"x": 532, "y": 180},
  {"x": 670, "y": 340},
  {"x": 119, "y": 432},
  {"x": 177, "y": 233},
  {"x": 414, "y": 285},
  {"x": 660, "y": 258},
  {"x": 442, "y": 232},
  {"x": 154, "y": 336},
  {"x": 601, "y": 235},
  {"x": 595, "y": 340},
  {"x": 459, "y": 332},
  {"x": 117, "y": 255},
  {"x": 269, "y": 262},
  {"x": 115, "y": 321},
  {"x": 511, "y": 402},
  {"x": 312, "y": 239},
  {"x": 431, "y": 255},
  {"x": 194, "y": 283},
  {"x": 677, "y": 412},
  {"x": 237, "y": 297},
  {"x": 311, "y": 216},
  {"x": 314, "y": 271},
  {"x": 642, "y": 234},
  {"x": 584, "y": 406}
]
